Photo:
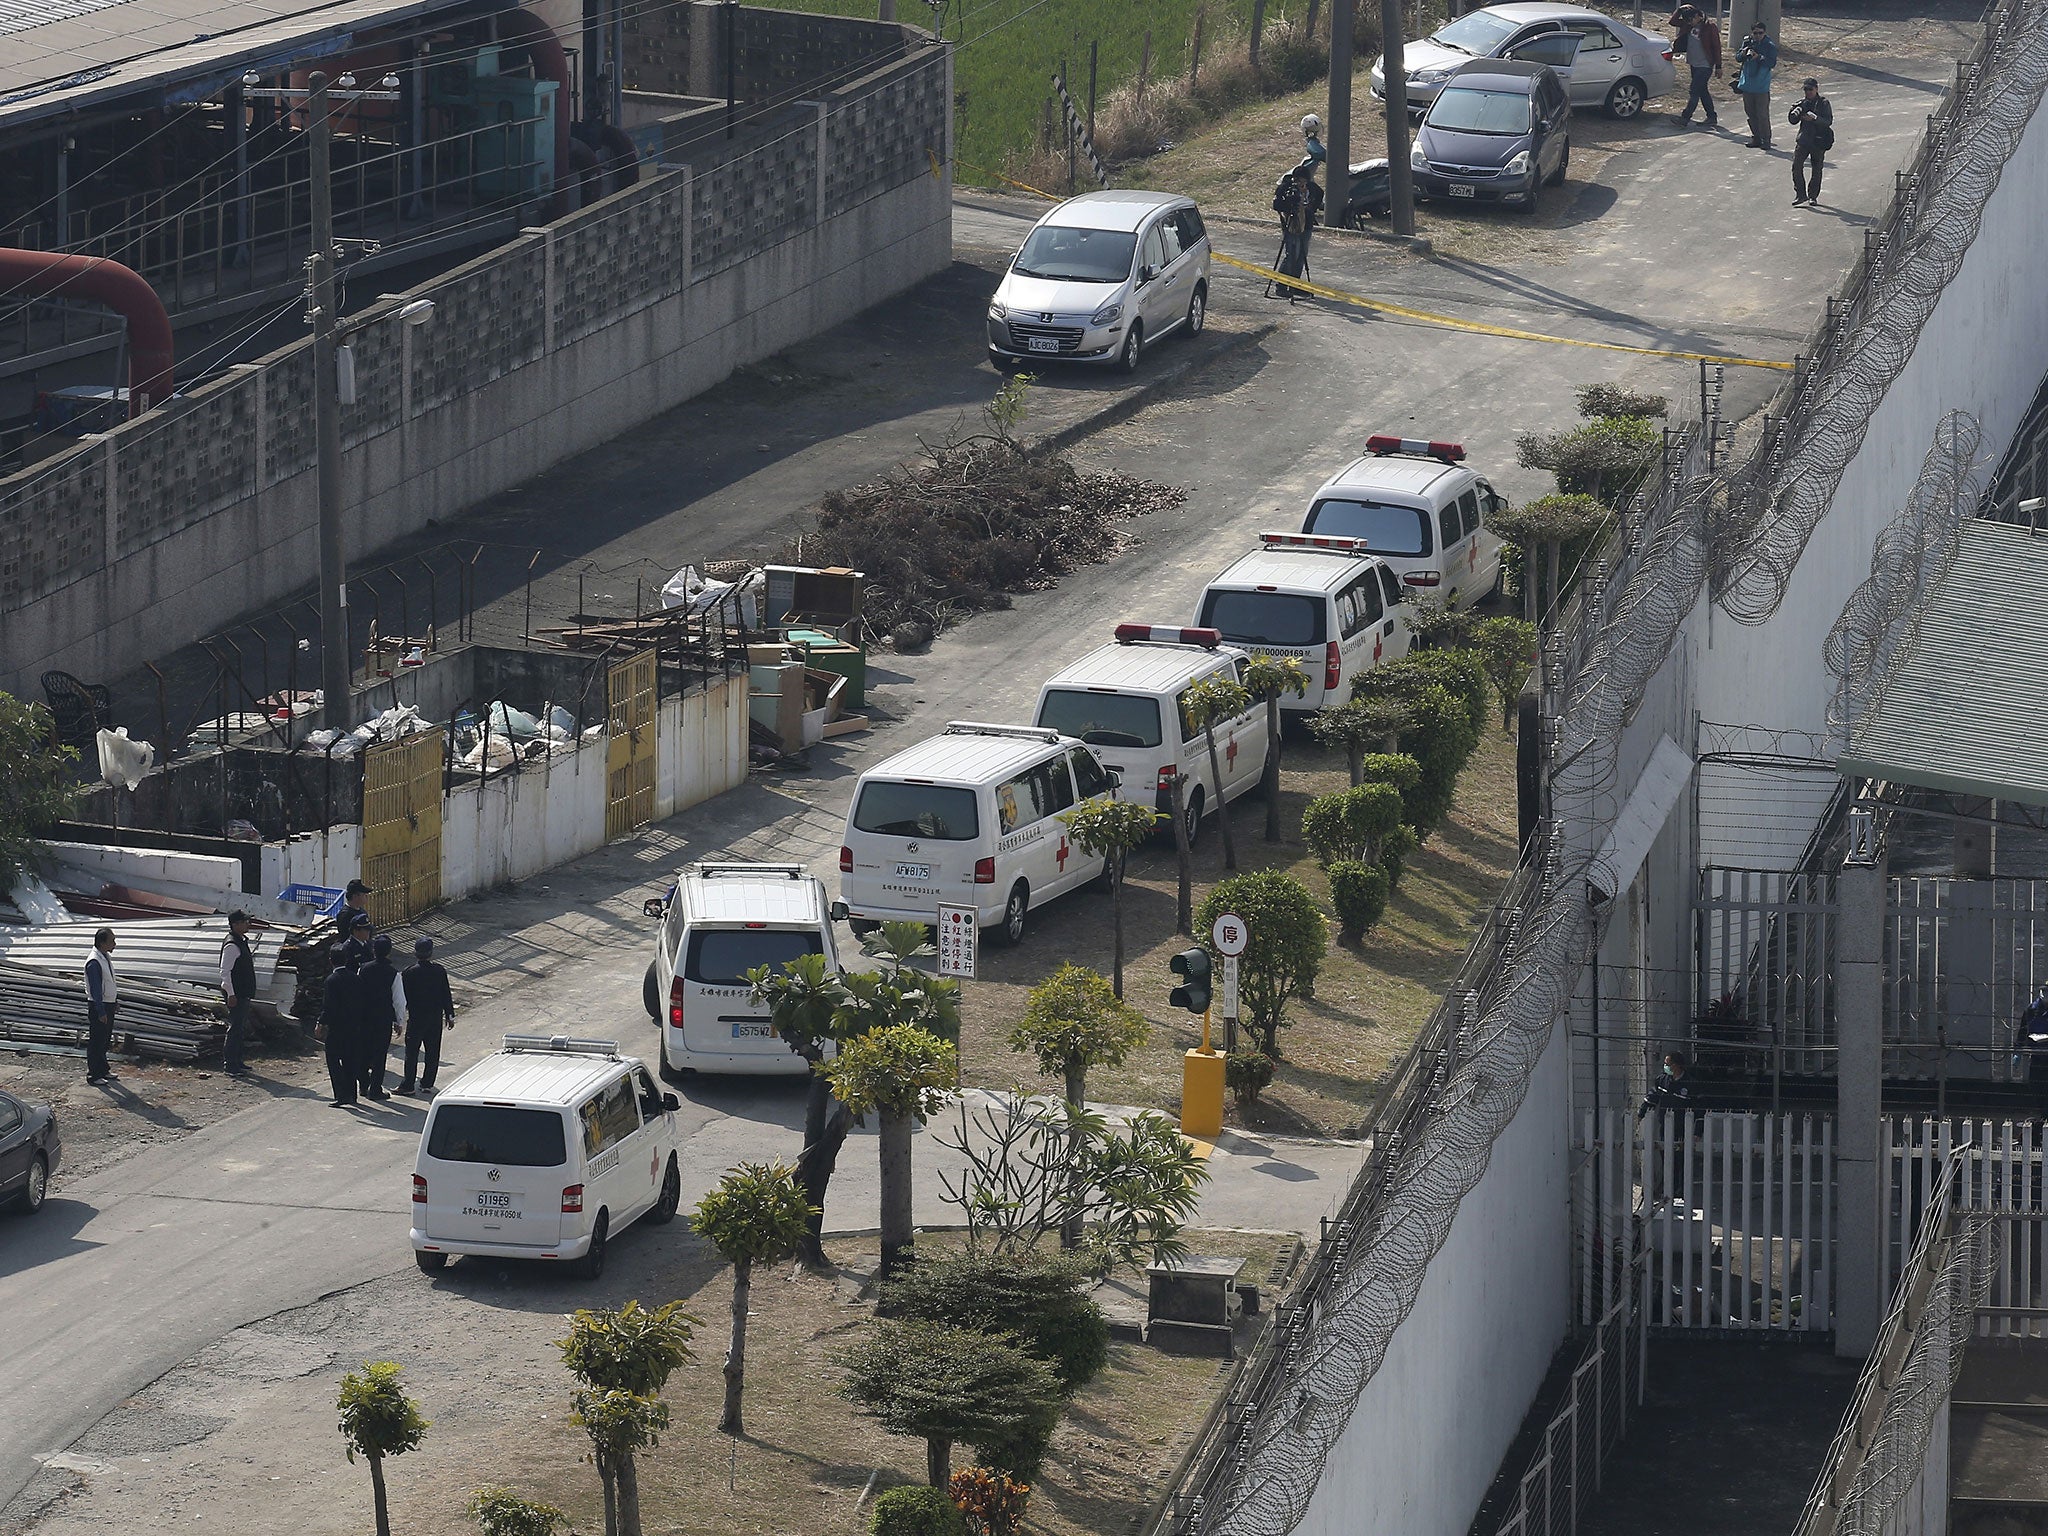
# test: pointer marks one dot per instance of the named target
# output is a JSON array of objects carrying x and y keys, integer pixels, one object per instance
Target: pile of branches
[{"x": 973, "y": 521}]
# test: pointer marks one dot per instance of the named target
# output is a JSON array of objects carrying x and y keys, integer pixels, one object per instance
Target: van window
[
  {"x": 1101, "y": 719},
  {"x": 1386, "y": 530},
  {"x": 1447, "y": 522},
  {"x": 721, "y": 957},
  {"x": 895, "y": 808},
  {"x": 1077, "y": 255},
  {"x": 1055, "y": 786},
  {"x": 1267, "y": 618},
  {"x": 1391, "y": 586},
  {"x": 1362, "y": 600},
  {"x": 609, "y": 1117},
  {"x": 1191, "y": 231},
  {"x": 489, "y": 1133},
  {"x": 1090, "y": 778},
  {"x": 1169, "y": 234},
  {"x": 1155, "y": 249},
  {"x": 651, "y": 1107},
  {"x": 1468, "y": 512}
]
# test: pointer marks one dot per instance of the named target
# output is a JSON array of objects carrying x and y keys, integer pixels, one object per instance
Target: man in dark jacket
[
  {"x": 2034, "y": 1037},
  {"x": 338, "y": 1011},
  {"x": 1298, "y": 200},
  {"x": 382, "y": 1002},
  {"x": 1697, "y": 40},
  {"x": 429, "y": 1009},
  {"x": 238, "y": 987},
  {"x": 1671, "y": 1090},
  {"x": 1815, "y": 120}
]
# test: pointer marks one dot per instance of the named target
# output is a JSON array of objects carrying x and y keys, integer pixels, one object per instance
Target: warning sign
[{"x": 956, "y": 941}]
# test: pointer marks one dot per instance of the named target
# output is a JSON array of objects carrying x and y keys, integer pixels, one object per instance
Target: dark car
[
  {"x": 28, "y": 1152},
  {"x": 1498, "y": 130}
]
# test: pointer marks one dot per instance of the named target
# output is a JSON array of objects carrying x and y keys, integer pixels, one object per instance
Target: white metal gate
[
  {"x": 1999, "y": 1169},
  {"x": 1731, "y": 1213}
]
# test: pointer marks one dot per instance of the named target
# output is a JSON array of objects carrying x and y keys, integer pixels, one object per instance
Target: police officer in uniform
[
  {"x": 338, "y": 1011},
  {"x": 382, "y": 1003},
  {"x": 429, "y": 1009}
]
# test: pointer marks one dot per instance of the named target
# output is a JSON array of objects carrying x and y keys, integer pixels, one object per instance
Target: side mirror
[
  {"x": 654, "y": 906},
  {"x": 1147, "y": 272},
  {"x": 840, "y": 912},
  {"x": 670, "y": 1103},
  {"x": 1116, "y": 779}
]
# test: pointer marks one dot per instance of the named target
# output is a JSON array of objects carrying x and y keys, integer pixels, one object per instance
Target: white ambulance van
[
  {"x": 1128, "y": 702},
  {"x": 969, "y": 818},
  {"x": 1416, "y": 505},
  {"x": 1328, "y": 601},
  {"x": 718, "y": 922},
  {"x": 547, "y": 1150}
]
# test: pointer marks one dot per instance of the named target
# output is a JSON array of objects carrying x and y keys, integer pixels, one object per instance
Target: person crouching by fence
[{"x": 1298, "y": 200}]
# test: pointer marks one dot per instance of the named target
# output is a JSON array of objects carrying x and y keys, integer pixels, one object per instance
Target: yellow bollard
[{"x": 1201, "y": 1090}]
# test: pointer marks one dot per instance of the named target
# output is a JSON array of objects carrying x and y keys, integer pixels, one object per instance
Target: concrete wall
[
  {"x": 175, "y": 524},
  {"x": 1432, "y": 1425},
  {"x": 331, "y": 858}
]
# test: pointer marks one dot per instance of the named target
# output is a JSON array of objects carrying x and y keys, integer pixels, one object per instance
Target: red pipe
[
  {"x": 39, "y": 274},
  {"x": 523, "y": 29}
]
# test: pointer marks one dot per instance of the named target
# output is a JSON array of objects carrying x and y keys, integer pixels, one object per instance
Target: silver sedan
[{"x": 1603, "y": 62}]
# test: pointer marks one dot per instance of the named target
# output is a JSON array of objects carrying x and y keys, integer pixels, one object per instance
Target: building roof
[
  {"x": 1966, "y": 709},
  {"x": 62, "y": 55}
]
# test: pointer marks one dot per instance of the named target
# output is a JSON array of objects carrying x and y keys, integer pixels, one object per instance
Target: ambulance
[
  {"x": 1416, "y": 505},
  {"x": 969, "y": 818},
  {"x": 1128, "y": 702},
  {"x": 1329, "y": 602}
]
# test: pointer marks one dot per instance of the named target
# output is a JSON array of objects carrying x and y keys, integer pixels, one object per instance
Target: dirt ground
[{"x": 242, "y": 1436}]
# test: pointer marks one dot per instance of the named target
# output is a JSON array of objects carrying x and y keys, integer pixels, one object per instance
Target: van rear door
[
  {"x": 914, "y": 844},
  {"x": 1277, "y": 623},
  {"x": 720, "y": 1017},
  {"x": 495, "y": 1173}
]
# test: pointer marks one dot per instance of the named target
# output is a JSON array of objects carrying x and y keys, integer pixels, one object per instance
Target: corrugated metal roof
[
  {"x": 1142, "y": 667},
  {"x": 1967, "y": 709},
  {"x": 178, "y": 951}
]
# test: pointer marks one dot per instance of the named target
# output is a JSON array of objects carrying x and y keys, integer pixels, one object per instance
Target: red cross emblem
[
  {"x": 1230, "y": 753},
  {"x": 1064, "y": 851},
  {"x": 1377, "y": 647}
]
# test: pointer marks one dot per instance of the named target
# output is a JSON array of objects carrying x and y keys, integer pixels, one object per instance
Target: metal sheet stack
[{"x": 48, "y": 1008}]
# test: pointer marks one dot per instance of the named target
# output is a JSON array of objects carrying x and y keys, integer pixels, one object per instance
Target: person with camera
[
  {"x": 1298, "y": 200},
  {"x": 1757, "y": 57},
  {"x": 1815, "y": 120},
  {"x": 1697, "y": 40}
]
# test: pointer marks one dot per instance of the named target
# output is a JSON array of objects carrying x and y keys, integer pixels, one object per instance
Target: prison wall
[{"x": 729, "y": 250}]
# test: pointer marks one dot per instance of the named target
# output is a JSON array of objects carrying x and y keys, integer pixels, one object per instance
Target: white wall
[
  {"x": 331, "y": 858},
  {"x": 1432, "y": 1426}
]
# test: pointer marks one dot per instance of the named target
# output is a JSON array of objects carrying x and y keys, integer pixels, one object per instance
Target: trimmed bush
[
  {"x": 917, "y": 1512},
  {"x": 1359, "y": 893},
  {"x": 1350, "y": 823},
  {"x": 1247, "y": 1074},
  {"x": 1395, "y": 768},
  {"x": 1289, "y": 937},
  {"x": 1038, "y": 1300},
  {"x": 1394, "y": 852}
]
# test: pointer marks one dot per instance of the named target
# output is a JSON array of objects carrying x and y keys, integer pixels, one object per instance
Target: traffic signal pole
[{"x": 1202, "y": 1070}]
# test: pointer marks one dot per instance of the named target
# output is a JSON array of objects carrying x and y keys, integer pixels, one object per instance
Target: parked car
[
  {"x": 29, "y": 1150},
  {"x": 1498, "y": 131},
  {"x": 1417, "y": 506},
  {"x": 1603, "y": 62},
  {"x": 1100, "y": 278}
]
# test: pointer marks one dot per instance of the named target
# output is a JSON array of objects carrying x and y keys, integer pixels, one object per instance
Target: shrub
[
  {"x": 1394, "y": 852},
  {"x": 1464, "y": 673},
  {"x": 1247, "y": 1074},
  {"x": 498, "y": 1511},
  {"x": 917, "y": 1512},
  {"x": 1436, "y": 625},
  {"x": 1441, "y": 739},
  {"x": 1359, "y": 893},
  {"x": 992, "y": 1502},
  {"x": 1606, "y": 459},
  {"x": 1395, "y": 768},
  {"x": 1507, "y": 649},
  {"x": 1613, "y": 400},
  {"x": 1287, "y": 943},
  {"x": 1350, "y": 823},
  {"x": 1037, "y": 1298}
]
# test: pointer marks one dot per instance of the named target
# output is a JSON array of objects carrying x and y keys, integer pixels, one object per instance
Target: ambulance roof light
[
  {"x": 1163, "y": 634},
  {"x": 1381, "y": 444}
]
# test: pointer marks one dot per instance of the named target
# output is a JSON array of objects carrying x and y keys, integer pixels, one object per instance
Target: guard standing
[
  {"x": 1671, "y": 1090},
  {"x": 429, "y": 1008},
  {"x": 238, "y": 987},
  {"x": 338, "y": 1014},
  {"x": 382, "y": 1002},
  {"x": 102, "y": 996}
]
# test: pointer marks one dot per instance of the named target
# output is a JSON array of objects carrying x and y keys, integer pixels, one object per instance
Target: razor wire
[
  {"x": 1610, "y": 642},
  {"x": 1880, "y": 624}
]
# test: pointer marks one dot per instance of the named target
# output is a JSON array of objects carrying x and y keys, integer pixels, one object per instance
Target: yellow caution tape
[{"x": 1426, "y": 317}]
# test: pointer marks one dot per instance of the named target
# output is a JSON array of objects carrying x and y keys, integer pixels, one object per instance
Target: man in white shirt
[{"x": 102, "y": 996}]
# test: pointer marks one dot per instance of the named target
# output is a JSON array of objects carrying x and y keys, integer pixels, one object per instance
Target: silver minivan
[{"x": 1100, "y": 278}]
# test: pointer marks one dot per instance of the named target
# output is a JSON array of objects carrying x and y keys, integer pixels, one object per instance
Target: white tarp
[{"x": 1663, "y": 780}]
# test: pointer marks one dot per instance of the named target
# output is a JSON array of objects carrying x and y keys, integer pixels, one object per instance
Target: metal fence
[{"x": 1994, "y": 1167}]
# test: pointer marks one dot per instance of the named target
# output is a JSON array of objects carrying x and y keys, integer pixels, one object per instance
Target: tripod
[{"x": 1280, "y": 291}]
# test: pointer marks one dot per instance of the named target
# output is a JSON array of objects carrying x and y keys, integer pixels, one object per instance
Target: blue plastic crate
[{"x": 324, "y": 899}]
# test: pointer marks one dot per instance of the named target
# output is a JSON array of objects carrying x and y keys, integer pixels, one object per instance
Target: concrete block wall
[
  {"x": 173, "y": 526},
  {"x": 778, "y": 55}
]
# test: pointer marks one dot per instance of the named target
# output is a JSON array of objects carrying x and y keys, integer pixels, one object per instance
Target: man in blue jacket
[{"x": 1757, "y": 57}]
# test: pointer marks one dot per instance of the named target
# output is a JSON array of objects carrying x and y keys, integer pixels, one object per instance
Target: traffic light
[{"x": 1192, "y": 967}]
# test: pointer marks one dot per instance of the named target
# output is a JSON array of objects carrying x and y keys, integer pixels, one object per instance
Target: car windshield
[
  {"x": 1265, "y": 618},
  {"x": 721, "y": 957},
  {"x": 1462, "y": 109},
  {"x": 1101, "y": 719},
  {"x": 898, "y": 809},
  {"x": 488, "y": 1133},
  {"x": 1077, "y": 255},
  {"x": 1387, "y": 530},
  {"x": 1479, "y": 33}
]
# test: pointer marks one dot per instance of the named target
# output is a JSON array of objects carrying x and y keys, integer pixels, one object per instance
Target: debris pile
[{"x": 48, "y": 1008}]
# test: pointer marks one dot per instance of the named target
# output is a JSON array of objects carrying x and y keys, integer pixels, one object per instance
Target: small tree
[
  {"x": 620, "y": 1425},
  {"x": 1351, "y": 823},
  {"x": 756, "y": 1215},
  {"x": 947, "y": 1385},
  {"x": 35, "y": 787},
  {"x": 803, "y": 1001},
  {"x": 1543, "y": 529},
  {"x": 1436, "y": 625},
  {"x": 1039, "y": 1298},
  {"x": 1359, "y": 893},
  {"x": 1273, "y": 679},
  {"x": 1111, "y": 830},
  {"x": 1183, "y": 854},
  {"x": 1073, "y": 1021},
  {"x": 1365, "y": 723},
  {"x": 1287, "y": 941},
  {"x": 903, "y": 1073},
  {"x": 624, "y": 1359},
  {"x": 1607, "y": 458},
  {"x": 498, "y": 1511},
  {"x": 1221, "y": 697},
  {"x": 378, "y": 1420},
  {"x": 1612, "y": 400},
  {"x": 1507, "y": 650}
]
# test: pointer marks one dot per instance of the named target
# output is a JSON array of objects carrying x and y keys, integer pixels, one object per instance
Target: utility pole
[
  {"x": 1338, "y": 146},
  {"x": 1394, "y": 69},
  {"x": 335, "y": 670}
]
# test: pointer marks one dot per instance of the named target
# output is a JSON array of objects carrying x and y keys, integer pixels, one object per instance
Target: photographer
[
  {"x": 1298, "y": 200},
  {"x": 1757, "y": 56},
  {"x": 1815, "y": 120}
]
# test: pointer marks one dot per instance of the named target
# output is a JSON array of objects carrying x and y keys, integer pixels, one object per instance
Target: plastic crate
[{"x": 326, "y": 900}]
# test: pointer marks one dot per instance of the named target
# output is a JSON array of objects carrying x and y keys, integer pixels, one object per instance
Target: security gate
[
  {"x": 402, "y": 826},
  {"x": 629, "y": 755}
]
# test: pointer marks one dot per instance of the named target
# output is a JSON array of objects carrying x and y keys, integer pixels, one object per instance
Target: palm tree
[
  {"x": 756, "y": 1215},
  {"x": 1217, "y": 698},
  {"x": 1271, "y": 678}
]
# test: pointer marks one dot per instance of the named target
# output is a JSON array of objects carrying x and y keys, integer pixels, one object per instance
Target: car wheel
[
  {"x": 591, "y": 1265},
  {"x": 1625, "y": 99},
  {"x": 669, "y": 1071},
  {"x": 664, "y": 1210},
  {"x": 431, "y": 1263},
  {"x": 1016, "y": 914},
  {"x": 862, "y": 927},
  {"x": 1191, "y": 813},
  {"x": 650, "y": 993},
  {"x": 1198, "y": 310},
  {"x": 1134, "y": 343},
  {"x": 30, "y": 1200},
  {"x": 1564, "y": 163}
]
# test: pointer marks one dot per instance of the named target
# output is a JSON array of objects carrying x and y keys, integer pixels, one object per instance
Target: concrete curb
[
  {"x": 1164, "y": 376},
  {"x": 1419, "y": 244}
]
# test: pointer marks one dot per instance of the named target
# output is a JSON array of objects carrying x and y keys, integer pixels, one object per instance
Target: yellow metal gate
[
  {"x": 402, "y": 826},
  {"x": 629, "y": 755}
]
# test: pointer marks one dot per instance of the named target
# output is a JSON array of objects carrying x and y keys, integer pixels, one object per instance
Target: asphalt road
[{"x": 139, "y": 1266}]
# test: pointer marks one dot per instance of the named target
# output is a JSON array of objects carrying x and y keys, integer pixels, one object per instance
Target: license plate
[
  {"x": 752, "y": 1031},
  {"x": 913, "y": 871},
  {"x": 494, "y": 1203},
  {"x": 1458, "y": 191},
  {"x": 1044, "y": 344}
]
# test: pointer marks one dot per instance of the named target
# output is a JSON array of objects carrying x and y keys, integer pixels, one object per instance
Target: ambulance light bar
[
  {"x": 984, "y": 728},
  {"x": 1163, "y": 634},
  {"x": 1329, "y": 542},
  {"x": 569, "y": 1044},
  {"x": 1450, "y": 453}
]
